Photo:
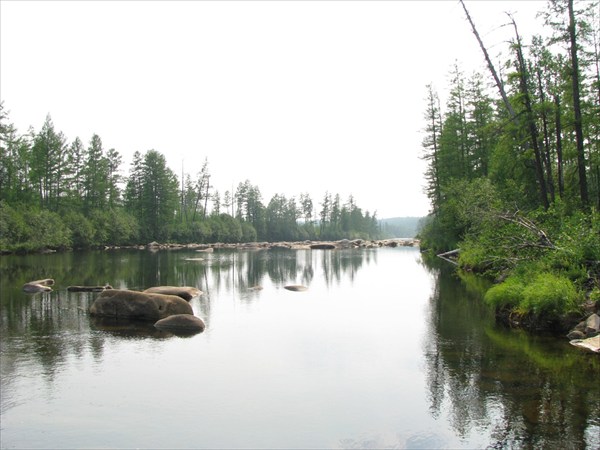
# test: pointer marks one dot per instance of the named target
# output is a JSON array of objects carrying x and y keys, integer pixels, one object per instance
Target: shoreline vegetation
[{"x": 513, "y": 170}]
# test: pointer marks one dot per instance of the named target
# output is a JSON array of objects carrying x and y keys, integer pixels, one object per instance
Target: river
[{"x": 381, "y": 351}]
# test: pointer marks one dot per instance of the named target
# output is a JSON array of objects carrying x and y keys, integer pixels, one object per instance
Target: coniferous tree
[
  {"x": 431, "y": 146},
  {"x": 113, "y": 160},
  {"x": 76, "y": 162},
  {"x": 47, "y": 165},
  {"x": 134, "y": 189},
  {"x": 96, "y": 176}
]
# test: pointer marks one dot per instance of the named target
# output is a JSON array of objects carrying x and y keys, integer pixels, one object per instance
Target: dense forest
[
  {"x": 514, "y": 166},
  {"x": 56, "y": 194}
]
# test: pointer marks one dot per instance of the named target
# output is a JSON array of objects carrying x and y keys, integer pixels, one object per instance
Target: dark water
[{"x": 381, "y": 351}]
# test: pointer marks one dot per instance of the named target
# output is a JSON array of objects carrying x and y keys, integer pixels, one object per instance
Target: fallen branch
[
  {"x": 448, "y": 256},
  {"x": 543, "y": 239}
]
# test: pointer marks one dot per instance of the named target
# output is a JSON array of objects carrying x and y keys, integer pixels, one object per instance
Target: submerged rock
[
  {"x": 138, "y": 305},
  {"x": 38, "y": 286},
  {"x": 181, "y": 323},
  {"x": 295, "y": 288},
  {"x": 185, "y": 292},
  {"x": 88, "y": 288}
]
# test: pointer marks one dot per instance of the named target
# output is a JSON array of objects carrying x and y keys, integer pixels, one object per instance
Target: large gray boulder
[
  {"x": 185, "y": 292},
  {"x": 138, "y": 305}
]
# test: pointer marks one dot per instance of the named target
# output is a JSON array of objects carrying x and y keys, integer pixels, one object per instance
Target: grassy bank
[{"x": 545, "y": 265}]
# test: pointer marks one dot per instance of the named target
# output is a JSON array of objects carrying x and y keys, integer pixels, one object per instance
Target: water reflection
[
  {"x": 530, "y": 391},
  {"x": 129, "y": 329},
  {"x": 485, "y": 385},
  {"x": 52, "y": 326}
]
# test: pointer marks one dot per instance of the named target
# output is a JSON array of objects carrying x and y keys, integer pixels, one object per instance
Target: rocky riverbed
[{"x": 301, "y": 245}]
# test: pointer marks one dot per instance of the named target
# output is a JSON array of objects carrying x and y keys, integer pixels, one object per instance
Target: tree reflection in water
[
  {"x": 528, "y": 391},
  {"x": 54, "y": 326},
  {"x": 533, "y": 391}
]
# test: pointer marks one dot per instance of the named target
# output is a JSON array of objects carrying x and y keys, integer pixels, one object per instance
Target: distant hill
[{"x": 400, "y": 227}]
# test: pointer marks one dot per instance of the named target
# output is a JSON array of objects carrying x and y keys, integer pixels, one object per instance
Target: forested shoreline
[
  {"x": 56, "y": 194},
  {"x": 514, "y": 168}
]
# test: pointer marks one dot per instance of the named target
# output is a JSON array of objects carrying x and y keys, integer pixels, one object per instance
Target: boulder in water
[
  {"x": 138, "y": 305},
  {"x": 181, "y": 323},
  {"x": 38, "y": 286},
  {"x": 296, "y": 288}
]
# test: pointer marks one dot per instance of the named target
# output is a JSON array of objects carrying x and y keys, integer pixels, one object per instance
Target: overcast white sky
[{"x": 296, "y": 96}]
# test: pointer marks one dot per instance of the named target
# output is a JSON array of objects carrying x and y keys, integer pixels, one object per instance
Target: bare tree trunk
[
  {"x": 499, "y": 84},
  {"x": 577, "y": 109}
]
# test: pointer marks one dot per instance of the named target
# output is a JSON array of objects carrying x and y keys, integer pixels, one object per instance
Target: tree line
[
  {"x": 56, "y": 194},
  {"x": 513, "y": 159}
]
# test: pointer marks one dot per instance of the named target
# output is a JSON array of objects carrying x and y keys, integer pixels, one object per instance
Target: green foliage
[
  {"x": 13, "y": 228},
  {"x": 550, "y": 295},
  {"x": 508, "y": 294},
  {"x": 469, "y": 206},
  {"x": 82, "y": 231},
  {"x": 539, "y": 294},
  {"x": 113, "y": 226},
  {"x": 248, "y": 232},
  {"x": 47, "y": 230},
  {"x": 226, "y": 229},
  {"x": 41, "y": 172}
]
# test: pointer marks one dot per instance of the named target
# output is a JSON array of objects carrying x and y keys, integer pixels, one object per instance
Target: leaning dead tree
[{"x": 497, "y": 80}]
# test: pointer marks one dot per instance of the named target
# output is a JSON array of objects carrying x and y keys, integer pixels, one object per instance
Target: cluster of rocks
[
  {"x": 586, "y": 334},
  {"x": 166, "y": 306},
  {"x": 299, "y": 245},
  {"x": 45, "y": 285}
]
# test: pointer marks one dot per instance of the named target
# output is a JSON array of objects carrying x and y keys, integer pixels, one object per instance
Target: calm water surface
[{"x": 381, "y": 351}]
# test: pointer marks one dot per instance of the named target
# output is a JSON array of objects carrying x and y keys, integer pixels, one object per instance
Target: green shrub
[
  {"x": 13, "y": 228},
  {"x": 550, "y": 294},
  {"x": 82, "y": 231},
  {"x": 248, "y": 232},
  {"x": 48, "y": 231},
  {"x": 508, "y": 294}
]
